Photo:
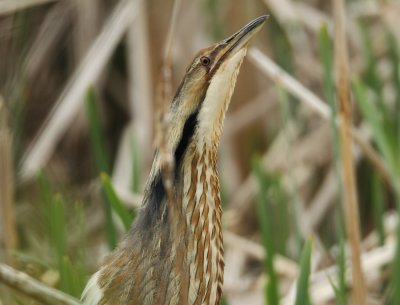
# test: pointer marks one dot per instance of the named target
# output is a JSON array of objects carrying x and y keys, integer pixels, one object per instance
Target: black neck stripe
[{"x": 187, "y": 134}]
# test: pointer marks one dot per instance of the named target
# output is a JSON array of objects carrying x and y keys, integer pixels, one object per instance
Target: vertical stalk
[
  {"x": 7, "y": 185},
  {"x": 350, "y": 200},
  {"x": 162, "y": 120}
]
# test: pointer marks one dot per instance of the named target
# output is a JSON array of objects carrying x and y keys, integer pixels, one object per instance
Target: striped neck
[{"x": 201, "y": 204}]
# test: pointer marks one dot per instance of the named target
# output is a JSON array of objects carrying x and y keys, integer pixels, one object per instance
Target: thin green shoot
[
  {"x": 101, "y": 159},
  {"x": 378, "y": 203},
  {"x": 302, "y": 293},
  {"x": 95, "y": 130},
  {"x": 286, "y": 115},
  {"x": 272, "y": 291},
  {"x": 135, "y": 165},
  {"x": 115, "y": 203}
]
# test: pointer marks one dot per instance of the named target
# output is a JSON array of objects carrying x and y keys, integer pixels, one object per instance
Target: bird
[{"x": 164, "y": 263}]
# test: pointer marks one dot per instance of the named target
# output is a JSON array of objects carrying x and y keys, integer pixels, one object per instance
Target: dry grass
[
  {"x": 282, "y": 110},
  {"x": 350, "y": 197}
]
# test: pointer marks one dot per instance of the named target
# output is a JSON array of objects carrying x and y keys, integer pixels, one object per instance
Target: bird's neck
[
  {"x": 201, "y": 205},
  {"x": 195, "y": 228}
]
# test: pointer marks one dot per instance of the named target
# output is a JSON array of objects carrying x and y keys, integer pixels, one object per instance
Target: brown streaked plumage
[{"x": 160, "y": 263}]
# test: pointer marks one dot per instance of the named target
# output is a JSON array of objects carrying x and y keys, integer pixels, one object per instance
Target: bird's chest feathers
[{"x": 202, "y": 207}]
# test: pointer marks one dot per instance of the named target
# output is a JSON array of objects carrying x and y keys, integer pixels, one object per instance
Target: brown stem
[{"x": 350, "y": 199}]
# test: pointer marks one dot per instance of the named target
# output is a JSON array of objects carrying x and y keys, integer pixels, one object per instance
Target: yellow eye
[{"x": 205, "y": 61}]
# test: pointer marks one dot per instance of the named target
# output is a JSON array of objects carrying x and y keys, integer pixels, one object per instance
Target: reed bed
[{"x": 309, "y": 159}]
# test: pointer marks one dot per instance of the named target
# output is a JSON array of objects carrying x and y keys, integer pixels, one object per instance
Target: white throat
[{"x": 218, "y": 97}]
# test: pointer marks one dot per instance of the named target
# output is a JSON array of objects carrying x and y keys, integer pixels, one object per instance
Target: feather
[{"x": 92, "y": 294}]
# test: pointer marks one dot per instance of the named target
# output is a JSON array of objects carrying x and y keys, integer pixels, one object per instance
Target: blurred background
[{"x": 77, "y": 110}]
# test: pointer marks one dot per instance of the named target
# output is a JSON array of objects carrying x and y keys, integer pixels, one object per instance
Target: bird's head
[
  {"x": 198, "y": 109},
  {"x": 199, "y": 106}
]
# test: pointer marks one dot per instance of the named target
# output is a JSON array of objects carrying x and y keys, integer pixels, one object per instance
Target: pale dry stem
[
  {"x": 33, "y": 288},
  {"x": 350, "y": 198},
  {"x": 70, "y": 100}
]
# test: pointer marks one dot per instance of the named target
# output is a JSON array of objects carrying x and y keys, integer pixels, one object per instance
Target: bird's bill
[{"x": 239, "y": 40}]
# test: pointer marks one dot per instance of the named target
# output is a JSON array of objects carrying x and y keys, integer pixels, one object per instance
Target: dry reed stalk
[
  {"x": 285, "y": 13},
  {"x": 70, "y": 100},
  {"x": 10, "y": 235},
  {"x": 312, "y": 18},
  {"x": 323, "y": 199},
  {"x": 266, "y": 65},
  {"x": 85, "y": 25},
  {"x": 85, "y": 18},
  {"x": 365, "y": 9},
  {"x": 350, "y": 199},
  {"x": 314, "y": 150},
  {"x": 33, "y": 288},
  {"x": 12, "y": 6},
  {"x": 328, "y": 191},
  {"x": 249, "y": 113},
  {"x": 390, "y": 13},
  {"x": 283, "y": 264},
  {"x": 141, "y": 103},
  {"x": 321, "y": 289},
  {"x": 141, "y": 88},
  {"x": 48, "y": 34},
  {"x": 272, "y": 158},
  {"x": 162, "y": 119}
]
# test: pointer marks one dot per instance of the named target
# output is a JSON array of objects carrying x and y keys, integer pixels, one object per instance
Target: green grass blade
[
  {"x": 375, "y": 119},
  {"x": 371, "y": 76},
  {"x": 394, "y": 57},
  {"x": 378, "y": 208},
  {"x": 341, "y": 297},
  {"x": 286, "y": 115},
  {"x": 281, "y": 47},
  {"x": 212, "y": 9},
  {"x": 113, "y": 200},
  {"x": 372, "y": 80},
  {"x": 272, "y": 292},
  {"x": 302, "y": 294},
  {"x": 95, "y": 132},
  {"x": 19, "y": 302},
  {"x": 71, "y": 278},
  {"x": 223, "y": 301},
  {"x": 340, "y": 300},
  {"x": 57, "y": 225},
  {"x": 326, "y": 47},
  {"x": 45, "y": 191},
  {"x": 135, "y": 166},
  {"x": 53, "y": 208},
  {"x": 101, "y": 159}
]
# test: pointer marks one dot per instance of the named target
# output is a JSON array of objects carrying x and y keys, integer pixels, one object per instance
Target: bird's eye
[{"x": 205, "y": 61}]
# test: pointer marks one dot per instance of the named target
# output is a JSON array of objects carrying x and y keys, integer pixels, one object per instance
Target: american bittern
[{"x": 153, "y": 266}]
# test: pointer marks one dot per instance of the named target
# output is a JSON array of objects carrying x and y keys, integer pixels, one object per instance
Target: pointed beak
[
  {"x": 243, "y": 36},
  {"x": 239, "y": 40}
]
